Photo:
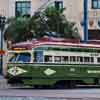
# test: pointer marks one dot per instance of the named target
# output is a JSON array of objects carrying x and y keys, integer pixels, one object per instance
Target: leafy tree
[
  {"x": 51, "y": 22},
  {"x": 57, "y": 22},
  {"x": 18, "y": 29}
]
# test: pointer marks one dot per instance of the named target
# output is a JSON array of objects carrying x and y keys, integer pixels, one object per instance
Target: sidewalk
[{"x": 3, "y": 82}]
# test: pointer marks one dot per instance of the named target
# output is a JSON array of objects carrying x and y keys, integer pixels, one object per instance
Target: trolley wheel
[
  {"x": 96, "y": 81},
  {"x": 61, "y": 84},
  {"x": 72, "y": 84}
]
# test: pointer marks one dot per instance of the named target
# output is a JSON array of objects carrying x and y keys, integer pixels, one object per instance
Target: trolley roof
[{"x": 53, "y": 41}]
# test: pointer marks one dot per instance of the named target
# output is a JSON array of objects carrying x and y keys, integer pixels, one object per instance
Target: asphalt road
[
  {"x": 69, "y": 93},
  {"x": 9, "y": 93}
]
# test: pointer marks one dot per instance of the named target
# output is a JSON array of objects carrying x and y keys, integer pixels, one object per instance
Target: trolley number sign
[{"x": 94, "y": 54}]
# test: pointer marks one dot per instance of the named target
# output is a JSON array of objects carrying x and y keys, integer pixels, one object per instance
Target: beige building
[
  {"x": 4, "y": 7},
  {"x": 11, "y": 8},
  {"x": 74, "y": 10}
]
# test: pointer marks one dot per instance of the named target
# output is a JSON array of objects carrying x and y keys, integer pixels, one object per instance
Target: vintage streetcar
[{"x": 55, "y": 63}]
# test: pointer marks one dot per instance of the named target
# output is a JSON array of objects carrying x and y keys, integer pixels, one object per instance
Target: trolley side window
[
  {"x": 98, "y": 59},
  {"x": 79, "y": 59},
  {"x": 72, "y": 58},
  {"x": 57, "y": 59},
  {"x": 65, "y": 59},
  {"x": 86, "y": 59},
  {"x": 47, "y": 58}
]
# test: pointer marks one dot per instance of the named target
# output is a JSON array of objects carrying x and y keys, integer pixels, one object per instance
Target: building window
[
  {"x": 59, "y": 5},
  {"x": 22, "y": 8},
  {"x": 96, "y": 4}
]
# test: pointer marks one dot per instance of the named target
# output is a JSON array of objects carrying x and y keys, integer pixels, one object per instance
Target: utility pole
[
  {"x": 2, "y": 23},
  {"x": 85, "y": 21}
]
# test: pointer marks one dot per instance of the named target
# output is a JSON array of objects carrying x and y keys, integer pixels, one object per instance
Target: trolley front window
[{"x": 19, "y": 57}]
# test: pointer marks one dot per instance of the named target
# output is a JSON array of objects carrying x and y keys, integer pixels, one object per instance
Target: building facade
[
  {"x": 11, "y": 8},
  {"x": 4, "y": 7},
  {"x": 73, "y": 11}
]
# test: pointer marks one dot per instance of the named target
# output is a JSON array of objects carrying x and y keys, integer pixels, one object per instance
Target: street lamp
[{"x": 2, "y": 24}]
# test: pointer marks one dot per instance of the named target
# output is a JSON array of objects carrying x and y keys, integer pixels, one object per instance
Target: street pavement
[
  {"x": 12, "y": 93},
  {"x": 3, "y": 83},
  {"x": 67, "y": 93}
]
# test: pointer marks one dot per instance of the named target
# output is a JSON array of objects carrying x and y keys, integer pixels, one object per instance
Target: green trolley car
[{"x": 53, "y": 63}]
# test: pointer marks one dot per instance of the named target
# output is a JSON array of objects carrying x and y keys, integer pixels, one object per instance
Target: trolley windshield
[{"x": 19, "y": 57}]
